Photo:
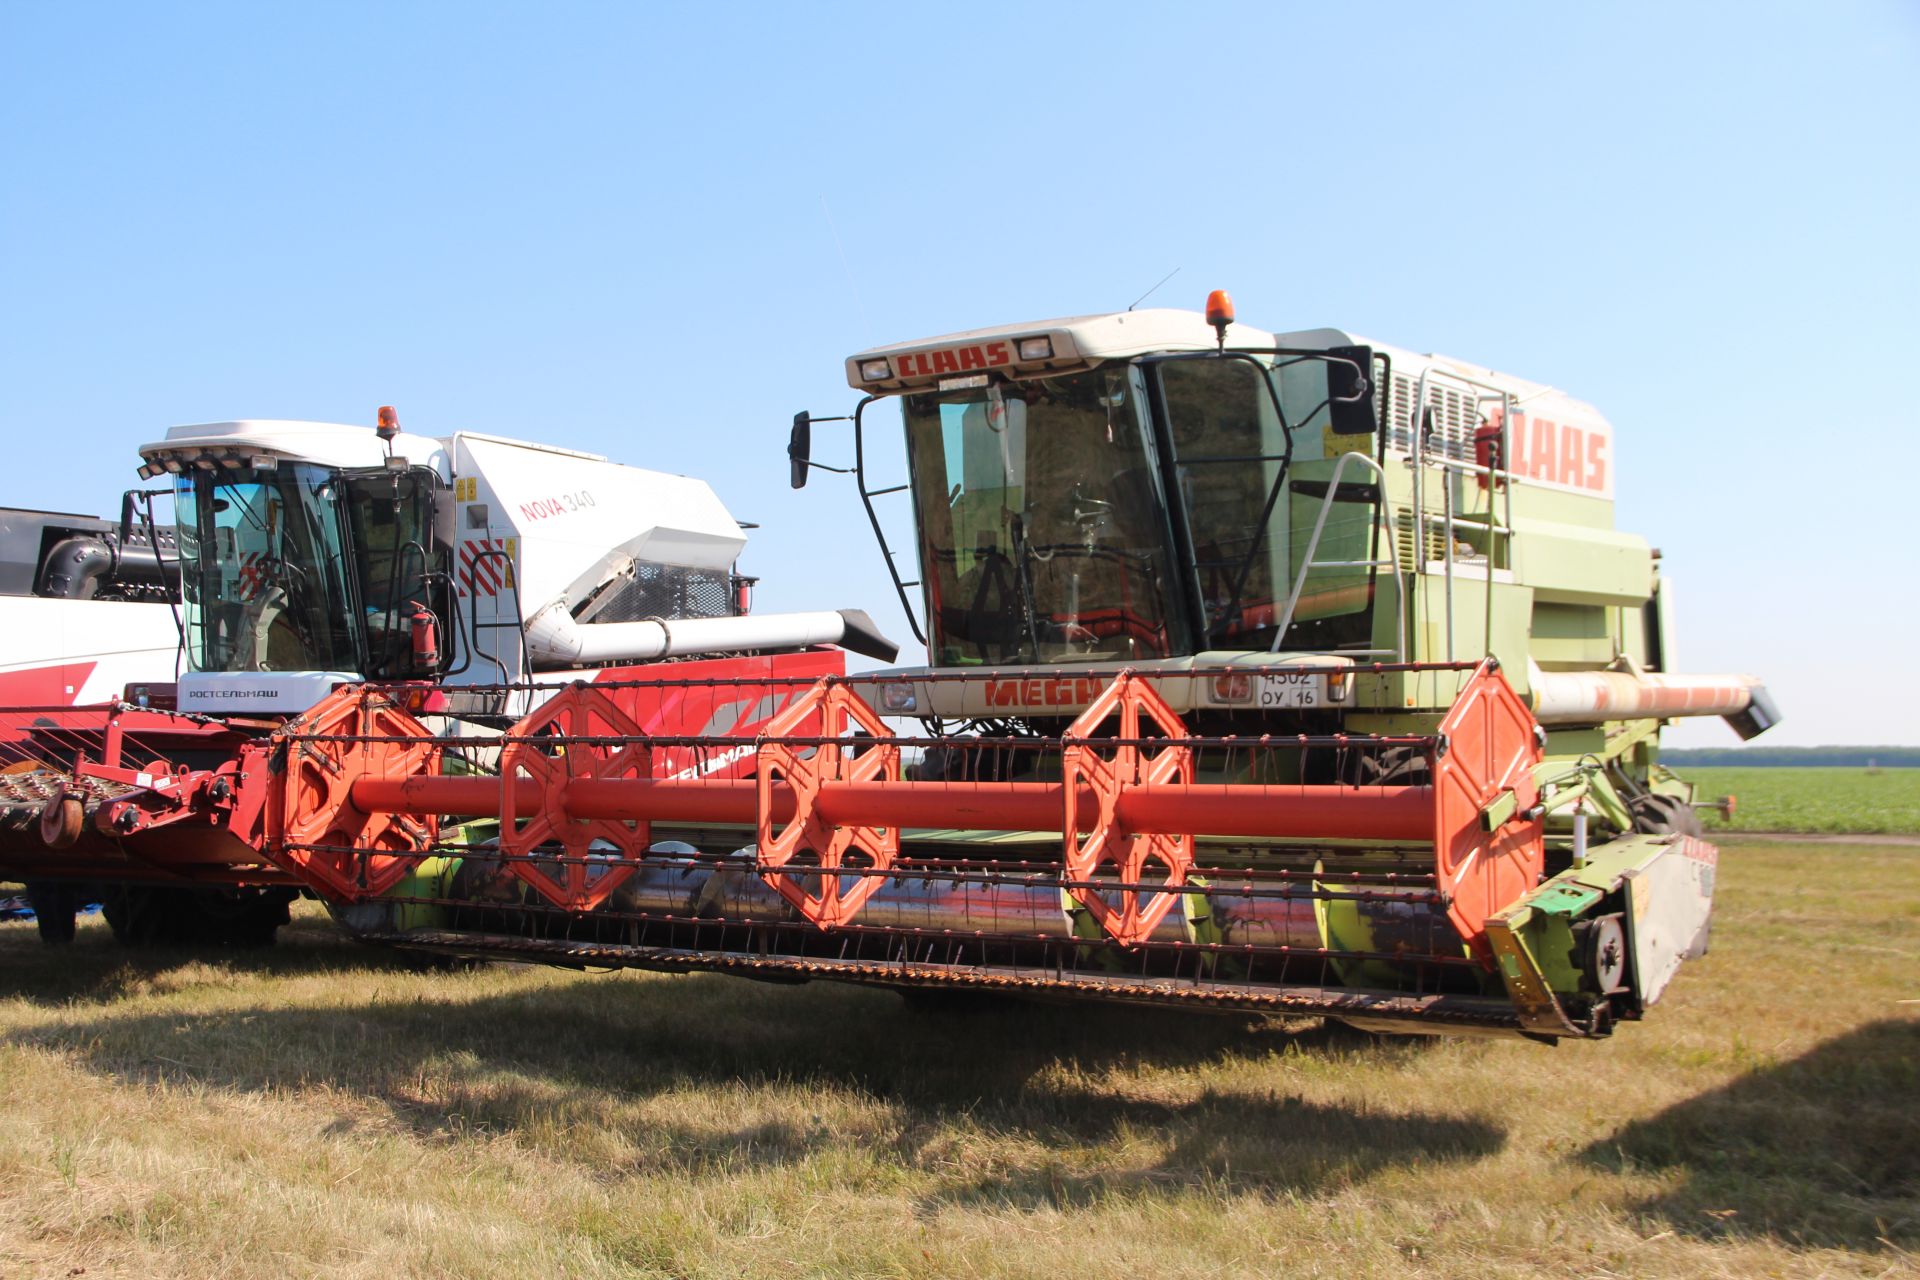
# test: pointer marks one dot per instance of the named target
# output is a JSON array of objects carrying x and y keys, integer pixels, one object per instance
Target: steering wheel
[{"x": 263, "y": 572}]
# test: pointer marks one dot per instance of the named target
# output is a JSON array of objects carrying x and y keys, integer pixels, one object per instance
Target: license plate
[{"x": 1290, "y": 689}]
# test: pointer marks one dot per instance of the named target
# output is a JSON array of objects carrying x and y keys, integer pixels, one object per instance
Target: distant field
[
  {"x": 323, "y": 1110},
  {"x": 1816, "y": 800}
]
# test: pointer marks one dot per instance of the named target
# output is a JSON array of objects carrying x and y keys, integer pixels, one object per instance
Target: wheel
[
  {"x": 1603, "y": 953},
  {"x": 1657, "y": 814},
  {"x": 54, "y": 906},
  {"x": 1393, "y": 767},
  {"x": 62, "y": 819},
  {"x": 164, "y": 916}
]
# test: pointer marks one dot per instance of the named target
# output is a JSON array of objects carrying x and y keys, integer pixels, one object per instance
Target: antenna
[
  {"x": 1149, "y": 293},
  {"x": 853, "y": 286}
]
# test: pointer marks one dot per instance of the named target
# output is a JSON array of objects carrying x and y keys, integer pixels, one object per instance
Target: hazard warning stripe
[{"x": 482, "y": 567}]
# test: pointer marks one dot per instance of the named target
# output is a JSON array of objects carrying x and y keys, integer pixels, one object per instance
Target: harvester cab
[
  {"x": 1167, "y": 492},
  {"x": 317, "y": 554},
  {"x": 305, "y": 554}
]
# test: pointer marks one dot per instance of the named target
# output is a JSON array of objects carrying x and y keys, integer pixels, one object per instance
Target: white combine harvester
[
  {"x": 317, "y": 554},
  {"x": 475, "y": 573}
]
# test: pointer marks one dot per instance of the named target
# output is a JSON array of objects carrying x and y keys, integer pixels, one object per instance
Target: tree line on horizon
[{"x": 1805, "y": 757}]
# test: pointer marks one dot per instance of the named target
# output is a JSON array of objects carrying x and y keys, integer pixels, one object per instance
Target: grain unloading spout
[
  {"x": 1591, "y": 697},
  {"x": 555, "y": 639}
]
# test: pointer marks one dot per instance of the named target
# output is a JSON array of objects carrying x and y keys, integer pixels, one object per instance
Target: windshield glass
[
  {"x": 1044, "y": 532},
  {"x": 262, "y": 577},
  {"x": 391, "y": 517},
  {"x": 1251, "y": 511}
]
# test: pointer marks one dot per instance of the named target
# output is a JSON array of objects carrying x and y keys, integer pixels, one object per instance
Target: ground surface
[
  {"x": 323, "y": 1110},
  {"x": 1830, "y": 800}
]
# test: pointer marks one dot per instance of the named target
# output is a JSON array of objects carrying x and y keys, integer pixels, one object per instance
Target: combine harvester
[
  {"x": 86, "y": 608},
  {"x": 87, "y": 611},
  {"x": 1273, "y": 673},
  {"x": 454, "y": 572}
]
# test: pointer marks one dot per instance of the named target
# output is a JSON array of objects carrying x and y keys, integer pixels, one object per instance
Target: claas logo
[{"x": 931, "y": 364}]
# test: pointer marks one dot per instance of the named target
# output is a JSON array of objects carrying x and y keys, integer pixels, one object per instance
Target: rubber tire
[
  {"x": 54, "y": 906},
  {"x": 164, "y": 916},
  {"x": 1657, "y": 814}
]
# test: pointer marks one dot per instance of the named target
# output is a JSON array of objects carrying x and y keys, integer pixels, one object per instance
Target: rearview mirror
[
  {"x": 800, "y": 449},
  {"x": 126, "y": 517},
  {"x": 1350, "y": 406}
]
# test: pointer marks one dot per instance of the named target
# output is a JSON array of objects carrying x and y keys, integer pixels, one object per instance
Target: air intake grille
[
  {"x": 1456, "y": 413},
  {"x": 661, "y": 591},
  {"x": 1436, "y": 548}
]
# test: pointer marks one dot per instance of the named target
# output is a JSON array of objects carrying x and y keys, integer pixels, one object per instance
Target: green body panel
[
  {"x": 1582, "y": 565},
  {"x": 431, "y": 878},
  {"x": 1567, "y": 589},
  {"x": 1534, "y": 941}
]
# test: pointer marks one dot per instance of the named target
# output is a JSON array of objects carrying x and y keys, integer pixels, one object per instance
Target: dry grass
[{"x": 322, "y": 1110}]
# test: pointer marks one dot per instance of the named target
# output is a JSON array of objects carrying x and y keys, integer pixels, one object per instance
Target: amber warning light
[
  {"x": 1220, "y": 313},
  {"x": 390, "y": 421}
]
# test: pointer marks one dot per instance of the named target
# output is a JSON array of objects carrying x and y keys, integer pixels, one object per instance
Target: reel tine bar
[
  {"x": 828, "y": 710},
  {"x": 1129, "y": 914},
  {"x": 577, "y": 882}
]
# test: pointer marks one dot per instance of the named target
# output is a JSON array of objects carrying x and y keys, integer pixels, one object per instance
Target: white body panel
[
  {"x": 83, "y": 651},
  {"x": 331, "y": 444},
  {"x": 578, "y": 519},
  {"x": 257, "y": 692},
  {"x": 1670, "y": 900},
  {"x": 1553, "y": 440},
  {"x": 536, "y": 529}
]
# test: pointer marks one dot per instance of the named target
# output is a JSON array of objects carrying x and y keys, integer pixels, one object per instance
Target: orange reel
[
  {"x": 1129, "y": 915},
  {"x": 814, "y": 848},
  {"x": 340, "y": 852},
  {"x": 578, "y": 880}
]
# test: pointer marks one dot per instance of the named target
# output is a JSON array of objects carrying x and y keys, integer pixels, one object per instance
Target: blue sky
[{"x": 657, "y": 232}]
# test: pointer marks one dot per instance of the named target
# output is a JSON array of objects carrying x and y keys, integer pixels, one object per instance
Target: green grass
[
  {"x": 321, "y": 1110},
  {"x": 1814, "y": 800}
]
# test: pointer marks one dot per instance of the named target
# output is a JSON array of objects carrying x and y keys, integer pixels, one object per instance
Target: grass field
[
  {"x": 321, "y": 1110},
  {"x": 1815, "y": 800}
]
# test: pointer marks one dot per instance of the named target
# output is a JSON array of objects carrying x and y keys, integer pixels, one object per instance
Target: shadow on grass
[
  {"x": 1823, "y": 1150},
  {"x": 95, "y": 968},
  {"x": 776, "y": 1075}
]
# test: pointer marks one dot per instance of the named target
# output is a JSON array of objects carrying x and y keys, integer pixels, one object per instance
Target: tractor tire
[
  {"x": 54, "y": 906},
  {"x": 164, "y": 916},
  {"x": 1393, "y": 767},
  {"x": 1657, "y": 814}
]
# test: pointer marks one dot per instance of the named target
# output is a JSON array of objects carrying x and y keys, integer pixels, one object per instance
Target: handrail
[
  {"x": 1417, "y": 447},
  {"x": 1307, "y": 564}
]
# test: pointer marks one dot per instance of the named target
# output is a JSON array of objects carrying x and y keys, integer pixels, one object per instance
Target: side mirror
[
  {"x": 1350, "y": 391},
  {"x": 126, "y": 518},
  {"x": 800, "y": 449}
]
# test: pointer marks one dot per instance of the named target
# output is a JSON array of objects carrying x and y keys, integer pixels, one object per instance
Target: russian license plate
[{"x": 1291, "y": 689}]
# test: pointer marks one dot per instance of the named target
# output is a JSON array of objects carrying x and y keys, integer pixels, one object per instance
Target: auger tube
[{"x": 556, "y": 639}]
